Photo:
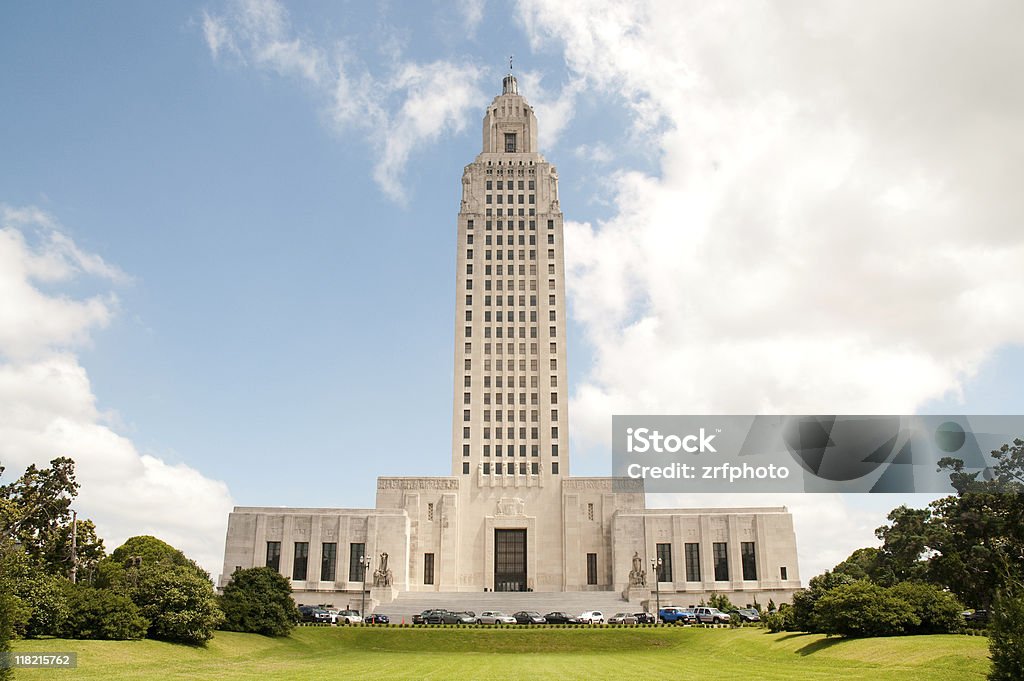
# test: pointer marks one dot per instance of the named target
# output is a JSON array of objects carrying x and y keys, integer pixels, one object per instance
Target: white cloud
[
  {"x": 402, "y": 111},
  {"x": 47, "y": 408},
  {"x": 472, "y": 14},
  {"x": 835, "y": 223}
]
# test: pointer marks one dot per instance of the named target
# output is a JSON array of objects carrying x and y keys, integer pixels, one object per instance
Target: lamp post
[
  {"x": 364, "y": 561},
  {"x": 655, "y": 565}
]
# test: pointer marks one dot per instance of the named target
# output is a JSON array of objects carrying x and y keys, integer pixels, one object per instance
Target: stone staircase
[{"x": 573, "y": 602}]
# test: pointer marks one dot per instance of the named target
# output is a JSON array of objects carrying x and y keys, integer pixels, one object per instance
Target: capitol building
[{"x": 510, "y": 516}]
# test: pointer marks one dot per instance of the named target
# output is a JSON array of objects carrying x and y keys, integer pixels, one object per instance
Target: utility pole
[{"x": 74, "y": 547}]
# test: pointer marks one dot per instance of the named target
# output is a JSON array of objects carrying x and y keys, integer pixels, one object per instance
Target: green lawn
[{"x": 514, "y": 653}]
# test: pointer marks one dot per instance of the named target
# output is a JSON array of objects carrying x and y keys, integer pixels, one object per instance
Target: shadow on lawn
[{"x": 813, "y": 646}]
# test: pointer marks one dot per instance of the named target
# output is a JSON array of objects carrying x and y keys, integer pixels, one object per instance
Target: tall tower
[{"x": 510, "y": 416}]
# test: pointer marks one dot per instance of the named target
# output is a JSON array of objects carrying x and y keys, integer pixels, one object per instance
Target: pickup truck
[
  {"x": 673, "y": 615},
  {"x": 710, "y": 615}
]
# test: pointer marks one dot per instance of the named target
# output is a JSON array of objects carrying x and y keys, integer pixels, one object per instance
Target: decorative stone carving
[
  {"x": 638, "y": 575},
  {"x": 511, "y": 506},
  {"x": 382, "y": 575},
  {"x": 417, "y": 483}
]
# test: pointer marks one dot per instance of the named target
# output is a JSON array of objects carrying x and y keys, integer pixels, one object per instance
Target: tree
[
  {"x": 101, "y": 614},
  {"x": 906, "y": 544},
  {"x": 805, "y": 600},
  {"x": 259, "y": 600},
  {"x": 171, "y": 591},
  {"x": 180, "y": 605},
  {"x": 35, "y": 512},
  {"x": 1006, "y": 634},
  {"x": 863, "y": 609},
  {"x": 722, "y": 602}
]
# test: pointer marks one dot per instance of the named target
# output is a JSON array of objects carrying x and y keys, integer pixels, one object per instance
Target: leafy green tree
[
  {"x": 1006, "y": 634},
  {"x": 8, "y": 614},
  {"x": 805, "y": 600},
  {"x": 863, "y": 609},
  {"x": 180, "y": 605},
  {"x": 35, "y": 512},
  {"x": 101, "y": 614},
  {"x": 906, "y": 545},
  {"x": 171, "y": 591},
  {"x": 259, "y": 600},
  {"x": 722, "y": 602}
]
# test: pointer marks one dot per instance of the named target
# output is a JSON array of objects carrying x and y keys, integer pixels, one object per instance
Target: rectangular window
[
  {"x": 329, "y": 562},
  {"x": 591, "y": 568},
  {"x": 534, "y": 468},
  {"x": 428, "y": 568},
  {"x": 510, "y": 142},
  {"x": 487, "y": 468},
  {"x": 720, "y": 553},
  {"x": 301, "y": 560},
  {"x": 465, "y": 468},
  {"x": 665, "y": 556},
  {"x": 274, "y": 555},
  {"x": 783, "y": 573},
  {"x": 693, "y": 562},
  {"x": 554, "y": 468},
  {"x": 356, "y": 571},
  {"x": 748, "y": 561}
]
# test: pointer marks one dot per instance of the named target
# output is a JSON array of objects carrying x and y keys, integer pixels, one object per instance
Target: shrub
[
  {"x": 939, "y": 611},
  {"x": 1006, "y": 634},
  {"x": 46, "y": 596},
  {"x": 863, "y": 609},
  {"x": 259, "y": 601},
  {"x": 179, "y": 604},
  {"x": 101, "y": 614}
]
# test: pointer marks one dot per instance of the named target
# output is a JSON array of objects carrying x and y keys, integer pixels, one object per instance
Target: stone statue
[
  {"x": 382, "y": 575},
  {"x": 637, "y": 576}
]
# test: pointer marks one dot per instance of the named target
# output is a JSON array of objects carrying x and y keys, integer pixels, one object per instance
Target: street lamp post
[
  {"x": 655, "y": 565},
  {"x": 364, "y": 561}
]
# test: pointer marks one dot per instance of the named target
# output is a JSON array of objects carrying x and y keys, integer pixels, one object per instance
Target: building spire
[{"x": 509, "y": 86}]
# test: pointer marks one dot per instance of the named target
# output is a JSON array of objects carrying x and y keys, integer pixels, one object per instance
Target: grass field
[{"x": 521, "y": 653}]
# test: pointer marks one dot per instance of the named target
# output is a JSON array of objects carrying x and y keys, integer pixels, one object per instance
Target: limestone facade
[{"x": 509, "y": 517}]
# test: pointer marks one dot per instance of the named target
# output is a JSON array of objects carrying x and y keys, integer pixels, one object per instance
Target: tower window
[{"x": 510, "y": 142}]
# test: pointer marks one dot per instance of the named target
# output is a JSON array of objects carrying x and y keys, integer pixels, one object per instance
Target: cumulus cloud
[
  {"x": 401, "y": 111},
  {"x": 835, "y": 218},
  {"x": 48, "y": 409},
  {"x": 834, "y": 226}
]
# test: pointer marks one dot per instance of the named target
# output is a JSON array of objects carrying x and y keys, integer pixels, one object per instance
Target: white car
[
  {"x": 494, "y": 617},
  {"x": 592, "y": 617},
  {"x": 345, "y": 616}
]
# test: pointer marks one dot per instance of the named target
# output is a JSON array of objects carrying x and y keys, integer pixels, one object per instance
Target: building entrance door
[{"x": 510, "y": 560}]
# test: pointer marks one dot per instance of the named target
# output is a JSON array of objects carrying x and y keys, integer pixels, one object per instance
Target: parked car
[
  {"x": 422, "y": 617},
  {"x": 645, "y": 618},
  {"x": 670, "y": 614},
  {"x": 622, "y": 618},
  {"x": 561, "y": 618},
  {"x": 711, "y": 615},
  {"x": 348, "y": 617},
  {"x": 315, "y": 615},
  {"x": 529, "y": 617},
  {"x": 441, "y": 616},
  {"x": 377, "y": 619},
  {"x": 976, "y": 616},
  {"x": 494, "y": 617},
  {"x": 592, "y": 617},
  {"x": 466, "y": 617},
  {"x": 747, "y": 615}
]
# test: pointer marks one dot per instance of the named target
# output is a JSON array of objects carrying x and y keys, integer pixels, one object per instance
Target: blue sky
[{"x": 252, "y": 237}]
